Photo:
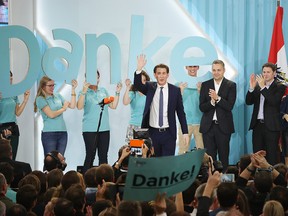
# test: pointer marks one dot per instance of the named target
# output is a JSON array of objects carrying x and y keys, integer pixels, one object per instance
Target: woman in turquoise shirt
[
  {"x": 10, "y": 108},
  {"x": 52, "y": 106},
  {"x": 89, "y": 99},
  {"x": 137, "y": 103}
]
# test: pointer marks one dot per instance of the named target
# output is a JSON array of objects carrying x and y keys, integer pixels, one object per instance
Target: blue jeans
[{"x": 52, "y": 141}]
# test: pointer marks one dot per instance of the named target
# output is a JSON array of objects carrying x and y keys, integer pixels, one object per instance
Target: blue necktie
[{"x": 161, "y": 107}]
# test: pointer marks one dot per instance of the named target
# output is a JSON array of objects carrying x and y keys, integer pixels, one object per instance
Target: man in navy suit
[
  {"x": 161, "y": 130},
  {"x": 217, "y": 98},
  {"x": 265, "y": 93}
]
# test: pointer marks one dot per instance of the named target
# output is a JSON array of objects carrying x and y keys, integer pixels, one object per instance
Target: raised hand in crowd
[
  {"x": 141, "y": 62},
  {"x": 252, "y": 82}
]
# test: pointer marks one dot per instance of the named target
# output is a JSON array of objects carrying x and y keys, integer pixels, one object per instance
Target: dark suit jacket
[
  {"x": 175, "y": 104},
  {"x": 227, "y": 92},
  {"x": 273, "y": 97},
  {"x": 21, "y": 169}
]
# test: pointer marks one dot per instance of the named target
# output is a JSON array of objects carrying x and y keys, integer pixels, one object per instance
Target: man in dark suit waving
[
  {"x": 217, "y": 98},
  {"x": 163, "y": 101},
  {"x": 266, "y": 94}
]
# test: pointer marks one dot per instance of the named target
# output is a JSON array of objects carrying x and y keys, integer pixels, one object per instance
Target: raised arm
[{"x": 19, "y": 108}]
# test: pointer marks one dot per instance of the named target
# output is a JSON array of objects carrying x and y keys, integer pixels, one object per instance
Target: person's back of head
[
  {"x": 5, "y": 149},
  {"x": 31, "y": 179},
  {"x": 245, "y": 160},
  {"x": 283, "y": 170},
  {"x": 8, "y": 171},
  {"x": 69, "y": 179},
  {"x": 54, "y": 177},
  {"x": 104, "y": 172},
  {"x": 227, "y": 193},
  {"x": 233, "y": 170},
  {"x": 16, "y": 210},
  {"x": 64, "y": 207},
  {"x": 242, "y": 203},
  {"x": 273, "y": 208},
  {"x": 263, "y": 181},
  {"x": 27, "y": 196},
  {"x": 189, "y": 193},
  {"x": 76, "y": 195},
  {"x": 100, "y": 205},
  {"x": 90, "y": 177},
  {"x": 111, "y": 211},
  {"x": 2, "y": 209},
  {"x": 180, "y": 213},
  {"x": 280, "y": 194},
  {"x": 131, "y": 208},
  {"x": 3, "y": 184},
  {"x": 43, "y": 180}
]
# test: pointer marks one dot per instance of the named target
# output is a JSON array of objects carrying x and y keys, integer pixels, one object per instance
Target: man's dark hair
[
  {"x": 263, "y": 181},
  {"x": 218, "y": 61},
  {"x": 100, "y": 205},
  {"x": 270, "y": 65},
  {"x": 244, "y": 162},
  {"x": 8, "y": 171},
  {"x": 69, "y": 179},
  {"x": 106, "y": 172},
  {"x": 129, "y": 208},
  {"x": 42, "y": 178},
  {"x": 76, "y": 195},
  {"x": 51, "y": 161},
  {"x": 280, "y": 194},
  {"x": 227, "y": 193},
  {"x": 64, "y": 207},
  {"x": 16, "y": 210},
  {"x": 90, "y": 177},
  {"x": 27, "y": 196},
  {"x": 54, "y": 177},
  {"x": 161, "y": 66},
  {"x": 5, "y": 149}
]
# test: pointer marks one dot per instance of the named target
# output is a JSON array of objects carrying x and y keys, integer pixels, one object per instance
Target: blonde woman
[
  {"x": 273, "y": 208},
  {"x": 52, "y": 106}
]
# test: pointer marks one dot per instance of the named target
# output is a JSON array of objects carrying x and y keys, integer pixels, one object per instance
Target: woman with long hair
[
  {"x": 137, "y": 103},
  {"x": 52, "y": 106}
]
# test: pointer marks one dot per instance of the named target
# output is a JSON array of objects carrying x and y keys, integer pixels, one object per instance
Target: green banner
[{"x": 172, "y": 174}]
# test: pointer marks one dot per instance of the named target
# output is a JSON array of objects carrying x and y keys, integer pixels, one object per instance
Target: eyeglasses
[{"x": 52, "y": 85}]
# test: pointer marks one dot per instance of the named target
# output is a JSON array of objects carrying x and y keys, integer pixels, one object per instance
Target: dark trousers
[
  {"x": 163, "y": 142},
  {"x": 215, "y": 141},
  {"x": 264, "y": 139},
  {"x": 92, "y": 145}
]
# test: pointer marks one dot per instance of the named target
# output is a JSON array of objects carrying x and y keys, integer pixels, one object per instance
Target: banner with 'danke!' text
[{"x": 172, "y": 174}]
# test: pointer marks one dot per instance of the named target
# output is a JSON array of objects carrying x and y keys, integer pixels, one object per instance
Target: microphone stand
[{"x": 97, "y": 132}]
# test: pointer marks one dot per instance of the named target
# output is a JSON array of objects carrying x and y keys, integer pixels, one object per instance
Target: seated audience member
[
  {"x": 31, "y": 179},
  {"x": 16, "y": 210},
  {"x": 121, "y": 165},
  {"x": 280, "y": 194},
  {"x": 227, "y": 193},
  {"x": 283, "y": 170},
  {"x": 111, "y": 211},
  {"x": 199, "y": 193},
  {"x": 2, "y": 209},
  {"x": 27, "y": 196},
  {"x": 244, "y": 162},
  {"x": 64, "y": 207},
  {"x": 91, "y": 185},
  {"x": 265, "y": 176},
  {"x": 53, "y": 160},
  {"x": 273, "y": 208},
  {"x": 69, "y": 179},
  {"x": 82, "y": 182},
  {"x": 3, "y": 198},
  {"x": 40, "y": 205},
  {"x": 233, "y": 170},
  {"x": 8, "y": 171},
  {"x": 129, "y": 208},
  {"x": 54, "y": 178},
  {"x": 76, "y": 195},
  {"x": 189, "y": 196},
  {"x": 21, "y": 169},
  {"x": 100, "y": 205},
  {"x": 242, "y": 203},
  {"x": 49, "y": 208},
  {"x": 104, "y": 172}
]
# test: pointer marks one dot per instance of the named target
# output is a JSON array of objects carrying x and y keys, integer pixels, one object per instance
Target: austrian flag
[{"x": 277, "y": 54}]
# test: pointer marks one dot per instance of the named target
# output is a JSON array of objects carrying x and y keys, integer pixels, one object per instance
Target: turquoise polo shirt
[
  {"x": 137, "y": 104},
  {"x": 55, "y": 102},
  {"x": 7, "y": 109},
  {"x": 92, "y": 111},
  {"x": 191, "y": 105}
]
